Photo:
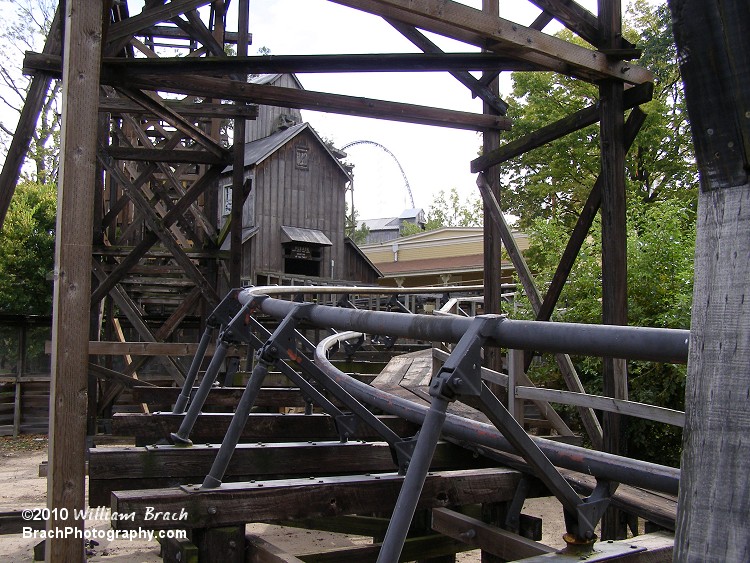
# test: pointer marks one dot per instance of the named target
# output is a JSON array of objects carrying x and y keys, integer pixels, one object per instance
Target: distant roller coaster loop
[{"x": 393, "y": 156}]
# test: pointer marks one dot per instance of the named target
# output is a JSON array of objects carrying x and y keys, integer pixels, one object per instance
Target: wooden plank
[
  {"x": 470, "y": 25},
  {"x": 479, "y": 535},
  {"x": 154, "y": 467},
  {"x": 577, "y": 19},
  {"x": 273, "y": 397},
  {"x": 157, "y": 14},
  {"x": 211, "y": 427},
  {"x": 206, "y": 110},
  {"x": 306, "y": 99},
  {"x": 424, "y": 548},
  {"x": 714, "y": 491},
  {"x": 646, "y": 548},
  {"x": 302, "y": 498},
  {"x": 70, "y": 322},
  {"x": 630, "y": 408},
  {"x": 106, "y": 348},
  {"x": 262, "y": 551},
  {"x": 583, "y": 118},
  {"x": 140, "y": 154}
]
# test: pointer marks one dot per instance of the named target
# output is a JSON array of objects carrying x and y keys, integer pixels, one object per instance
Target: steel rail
[
  {"x": 636, "y": 343},
  {"x": 599, "y": 464}
]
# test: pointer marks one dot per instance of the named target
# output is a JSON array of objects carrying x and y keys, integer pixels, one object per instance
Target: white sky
[{"x": 433, "y": 158}]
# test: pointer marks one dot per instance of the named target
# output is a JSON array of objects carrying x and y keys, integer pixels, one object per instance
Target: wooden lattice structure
[{"x": 149, "y": 165}]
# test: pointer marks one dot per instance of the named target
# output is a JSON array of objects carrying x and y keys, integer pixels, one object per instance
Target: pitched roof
[
  {"x": 271, "y": 78},
  {"x": 259, "y": 150}
]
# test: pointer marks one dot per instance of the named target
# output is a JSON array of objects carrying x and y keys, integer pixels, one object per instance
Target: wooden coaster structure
[{"x": 120, "y": 162}]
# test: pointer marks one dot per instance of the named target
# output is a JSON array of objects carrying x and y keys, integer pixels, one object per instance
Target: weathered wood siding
[
  {"x": 269, "y": 117},
  {"x": 311, "y": 198},
  {"x": 356, "y": 267}
]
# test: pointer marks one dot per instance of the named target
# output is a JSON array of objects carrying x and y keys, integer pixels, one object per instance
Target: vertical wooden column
[
  {"x": 238, "y": 173},
  {"x": 492, "y": 237},
  {"x": 70, "y": 319},
  {"x": 614, "y": 238},
  {"x": 713, "y": 509}
]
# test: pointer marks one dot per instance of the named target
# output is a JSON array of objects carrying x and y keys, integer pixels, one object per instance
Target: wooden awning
[{"x": 307, "y": 236}]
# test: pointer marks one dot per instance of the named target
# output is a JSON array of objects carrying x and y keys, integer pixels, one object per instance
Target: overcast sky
[{"x": 432, "y": 158}]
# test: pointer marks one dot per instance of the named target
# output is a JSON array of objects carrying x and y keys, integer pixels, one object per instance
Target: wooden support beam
[
  {"x": 582, "y": 226},
  {"x": 165, "y": 113},
  {"x": 152, "y": 16},
  {"x": 478, "y": 535},
  {"x": 238, "y": 503},
  {"x": 713, "y": 503},
  {"x": 170, "y": 32},
  {"x": 583, "y": 118},
  {"x": 478, "y": 89},
  {"x": 614, "y": 243},
  {"x": 211, "y": 427},
  {"x": 641, "y": 410},
  {"x": 564, "y": 363},
  {"x": 430, "y": 61},
  {"x": 318, "y": 101},
  {"x": 158, "y": 226},
  {"x": 140, "y": 154},
  {"x": 426, "y": 549},
  {"x": 119, "y": 106},
  {"x": 117, "y": 377},
  {"x": 154, "y": 467},
  {"x": 155, "y": 348},
  {"x": 70, "y": 320},
  {"x": 470, "y": 25},
  {"x": 239, "y": 91},
  {"x": 579, "y": 20}
]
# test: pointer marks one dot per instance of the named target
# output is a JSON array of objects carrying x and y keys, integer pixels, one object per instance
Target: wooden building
[{"x": 293, "y": 215}]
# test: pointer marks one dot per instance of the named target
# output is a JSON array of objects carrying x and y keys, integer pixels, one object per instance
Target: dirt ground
[{"x": 21, "y": 488}]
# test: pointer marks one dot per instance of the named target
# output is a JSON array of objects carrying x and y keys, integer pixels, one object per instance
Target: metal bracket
[
  {"x": 346, "y": 426},
  {"x": 351, "y": 349},
  {"x": 513, "y": 515},
  {"x": 462, "y": 372},
  {"x": 403, "y": 451}
]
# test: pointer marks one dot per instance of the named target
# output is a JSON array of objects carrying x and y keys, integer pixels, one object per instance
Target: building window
[
  {"x": 302, "y": 158},
  {"x": 227, "y": 199}
]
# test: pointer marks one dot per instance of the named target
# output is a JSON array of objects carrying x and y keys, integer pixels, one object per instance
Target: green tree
[
  {"x": 27, "y": 248},
  {"x": 25, "y": 28},
  {"x": 547, "y": 187},
  {"x": 554, "y": 180},
  {"x": 351, "y": 230},
  {"x": 447, "y": 210}
]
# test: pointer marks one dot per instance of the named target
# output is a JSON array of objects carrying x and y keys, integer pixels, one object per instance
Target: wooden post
[
  {"x": 614, "y": 238},
  {"x": 70, "y": 319},
  {"x": 492, "y": 237},
  {"x": 713, "y": 507},
  {"x": 238, "y": 171}
]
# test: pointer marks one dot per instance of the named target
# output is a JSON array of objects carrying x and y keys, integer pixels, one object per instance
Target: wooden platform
[
  {"x": 211, "y": 427},
  {"x": 234, "y": 504},
  {"x": 153, "y": 467}
]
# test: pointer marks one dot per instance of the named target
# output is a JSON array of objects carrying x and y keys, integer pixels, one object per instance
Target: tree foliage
[
  {"x": 548, "y": 186},
  {"x": 554, "y": 180},
  {"x": 447, "y": 210},
  {"x": 27, "y": 248},
  {"x": 25, "y": 28}
]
